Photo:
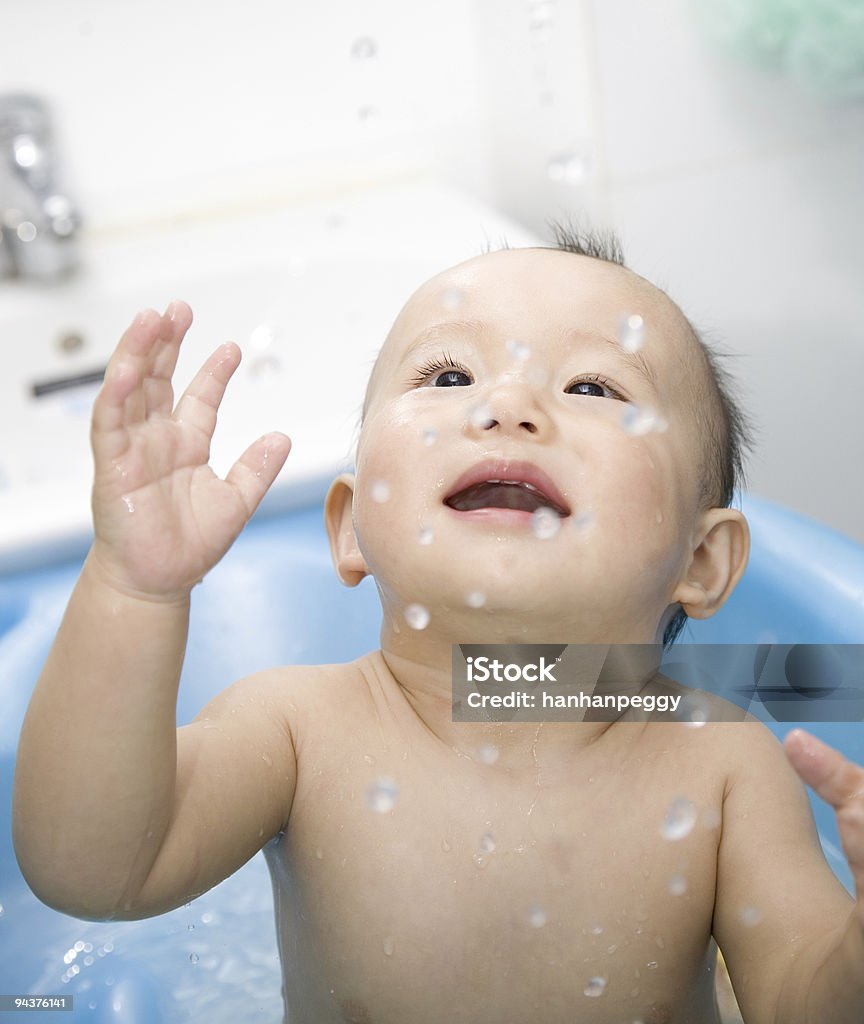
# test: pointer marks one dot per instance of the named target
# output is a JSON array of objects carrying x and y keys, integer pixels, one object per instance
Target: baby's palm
[{"x": 162, "y": 517}]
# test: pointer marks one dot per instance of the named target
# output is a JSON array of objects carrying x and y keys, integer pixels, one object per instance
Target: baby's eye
[
  {"x": 443, "y": 373},
  {"x": 593, "y": 386}
]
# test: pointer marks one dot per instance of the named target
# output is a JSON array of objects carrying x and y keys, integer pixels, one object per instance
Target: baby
[{"x": 509, "y": 872}]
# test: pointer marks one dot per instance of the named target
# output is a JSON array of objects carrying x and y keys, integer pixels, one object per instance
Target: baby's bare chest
[{"x": 424, "y": 888}]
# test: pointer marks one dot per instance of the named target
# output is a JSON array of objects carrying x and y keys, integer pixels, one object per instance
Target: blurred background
[{"x": 723, "y": 141}]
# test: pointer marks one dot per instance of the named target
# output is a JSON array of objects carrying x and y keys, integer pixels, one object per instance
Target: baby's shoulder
[{"x": 310, "y": 696}]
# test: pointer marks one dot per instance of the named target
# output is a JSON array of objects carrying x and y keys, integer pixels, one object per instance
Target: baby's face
[{"x": 507, "y": 368}]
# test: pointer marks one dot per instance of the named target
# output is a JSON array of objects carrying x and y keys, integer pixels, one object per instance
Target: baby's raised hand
[
  {"x": 162, "y": 517},
  {"x": 840, "y": 783}
]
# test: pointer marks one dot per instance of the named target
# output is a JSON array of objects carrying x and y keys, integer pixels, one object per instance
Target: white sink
[{"x": 308, "y": 293}]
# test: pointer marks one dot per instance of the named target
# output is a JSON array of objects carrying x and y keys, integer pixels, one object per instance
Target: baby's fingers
[
  {"x": 200, "y": 402},
  {"x": 257, "y": 468},
  {"x": 839, "y": 782},
  {"x": 138, "y": 375}
]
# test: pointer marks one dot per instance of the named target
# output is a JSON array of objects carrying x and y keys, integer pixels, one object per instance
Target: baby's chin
[{"x": 503, "y": 615}]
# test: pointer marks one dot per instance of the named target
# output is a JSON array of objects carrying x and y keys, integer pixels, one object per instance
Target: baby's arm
[
  {"x": 105, "y": 785},
  {"x": 790, "y": 934}
]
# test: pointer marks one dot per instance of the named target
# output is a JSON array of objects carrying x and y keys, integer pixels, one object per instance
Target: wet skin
[{"x": 411, "y": 915}]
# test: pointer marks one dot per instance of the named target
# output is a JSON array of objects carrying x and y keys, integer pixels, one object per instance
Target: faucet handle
[
  {"x": 38, "y": 220},
  {"x": 23, "y": 113}
]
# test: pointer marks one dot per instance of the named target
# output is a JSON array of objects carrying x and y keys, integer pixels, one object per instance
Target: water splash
[
  {"x": 518, "y": 349},
  {"x": 545, "y": 523},
  {"x": 631, "y": 332},
  {"x": 537, "y": 916},
  {"x": 595, "y": 987},
  {"x": 481, "y": 417},
  {"x": 364, "y": 48},
  {"x": 380, "y": 491},
  {"x": 568, "y": 168},
  {"x": 417, "y": 616},
  {"x": 488, "y": 753},
  {"x": 677, "y": 885},
  {"x": 680, "y": 819},
  {"x": 452, "y": 298},
  {"x": 639, "y": 421},
  {"x": 487, "y": 843},
  {"x": 382, "y": 795}
]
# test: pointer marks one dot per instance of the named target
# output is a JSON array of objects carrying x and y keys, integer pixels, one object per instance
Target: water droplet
[
  {"x": 750, "y": 917},
  {"x": 640, "y": 421},
  {"x": 595, "y": 987},
  {"x": 631, "y": 332},
  {"x": 265, "y": 367},
  {"x": 677, "y": 885},
  {"x": 597, "y": 929},
  {"x": 364, "y": 48},
  {"x": 445, "y": 846},
  {"x": 127, "y": 501},
  {"x": 193, "y": 958},
  {"x": 267, "y": 759},
  {"x": 545, "y": 523},
  {"x": 481, "y": 417},
  {"x": 698, "y": 718},
  {"x": 261, "y": 337},
  {"x": 319, "y": 853},
  {"x": 659, "y": 942},
  {"x": 425, "y": 536},
  {"x": 679, "y": 820},
  {"x": 381, "y": 796},
  {"x": 389, "y": 946},
  {"x": 417, "y": 616},
  {"x": 380, "y": 491},
  {"x": 518, "y": 349},
  {"x": 569, "y": 168},
  {"x": 2, "y": 910},
  {"x": 537, "y": 916},
  {"x": 488, "y": 753},
  {"x": 658, "y": 516},
  {"x": 430, "y": 436},
  {"x": 480, "y": 860},
  {"x": 583, "y": 521},
  {"x": 452, "y": 298},
  {"x": 475, "y": 599},
  {"x": 540, "y": 14},
  {"x": 487, "y": 843}
]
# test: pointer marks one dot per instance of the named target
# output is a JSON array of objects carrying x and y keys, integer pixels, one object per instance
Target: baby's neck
[{"x": 426, "y": 684}]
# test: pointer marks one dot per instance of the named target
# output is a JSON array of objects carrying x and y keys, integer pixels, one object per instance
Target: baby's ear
[
  {"x": 344, "y": 550},
  {"x": 716, "y": 564}
]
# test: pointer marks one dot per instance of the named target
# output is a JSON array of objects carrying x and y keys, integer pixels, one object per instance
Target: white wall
[{"x": 732, "y": 188}]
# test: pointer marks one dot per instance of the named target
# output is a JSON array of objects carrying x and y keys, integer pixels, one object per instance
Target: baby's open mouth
[
  {"x": 482, "y": 487},
  {"x": 502, "y": 494}
]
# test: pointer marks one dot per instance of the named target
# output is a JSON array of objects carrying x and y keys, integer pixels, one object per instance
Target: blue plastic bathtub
[{"x": 216, "y": 959}]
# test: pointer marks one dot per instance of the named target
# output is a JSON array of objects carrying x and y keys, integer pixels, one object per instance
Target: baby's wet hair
[{"x": 725, "y": 431}]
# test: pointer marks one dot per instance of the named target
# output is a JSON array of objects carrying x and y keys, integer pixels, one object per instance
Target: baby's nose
[{"x": 513, "y": 406}]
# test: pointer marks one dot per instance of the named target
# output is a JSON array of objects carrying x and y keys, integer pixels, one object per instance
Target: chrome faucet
[{"x": 39, "y": 223}]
